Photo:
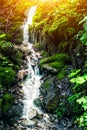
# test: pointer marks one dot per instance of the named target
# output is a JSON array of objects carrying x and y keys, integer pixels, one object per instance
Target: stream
[{"x": 33, "y": 118}]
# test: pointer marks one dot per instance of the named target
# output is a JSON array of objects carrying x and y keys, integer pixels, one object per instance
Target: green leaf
[
  {"x": 74, "y": 73},
  {"x": 2, "y": 36},
  {"x": 84, "y": 38}
]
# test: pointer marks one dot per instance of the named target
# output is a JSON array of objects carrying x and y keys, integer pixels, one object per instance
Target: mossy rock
[
  {"x": 52, "y": 105},
  {"x": 50, "y": 95},
  {"x": 61, "y": 74},
  {"x": 46, "y": 85},
  {"x": 37, "y": 102},
  {"x": 57, "y": 65},
  {"x": 56, "y": 57},
  {"x": 49, "y": 69}
]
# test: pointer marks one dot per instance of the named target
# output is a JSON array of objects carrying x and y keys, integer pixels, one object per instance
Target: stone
[
  {"x": 50, "y": 94},
  {"x": 20, "y": 85},
  {"x": 32, "y": 114},
  {"x": 22, "y": 74},
  {"x": 37, "y": 102},
  {"x": 15, "y": 111},
  {"x": 49, "y": 69},
  {"x": 21, "y": 91},
  {"x": 1, "y": 125},
  {"x": 1, "y": 112}
]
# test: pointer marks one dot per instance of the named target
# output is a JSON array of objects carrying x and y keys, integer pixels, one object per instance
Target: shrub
[
  {"x": 12, "y": 53},
  {"x": 7, "y": 76},
  {"x": 8, "y": 100}
]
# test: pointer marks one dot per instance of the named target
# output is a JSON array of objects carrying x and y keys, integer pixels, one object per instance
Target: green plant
[
  {"x": 73, "y": 105},
  {"x": 2, "y": 36},
  {"x": 8, "y": 50},
  {"x": 82, "y": 120},
  {"x": 7, "y": 76},
  {"x": 60, "y": 110},
  {"x": 84, "y": 36},
  {"x": 74, "y": 73},
  {"x": 8, "y": 100}
]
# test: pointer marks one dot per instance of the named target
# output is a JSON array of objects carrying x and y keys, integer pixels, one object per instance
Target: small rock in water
[{"x": 32, "y": 114}]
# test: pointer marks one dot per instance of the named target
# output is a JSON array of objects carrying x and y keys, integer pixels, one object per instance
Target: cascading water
[
  {"x": 32, "y": 83},
  {"x": 33, "y": 118}
]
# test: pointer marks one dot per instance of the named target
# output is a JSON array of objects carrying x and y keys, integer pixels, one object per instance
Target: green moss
[
  {"x": 61, "y": 74},
  {"x": 8, "y": 100},
  {"x": 6, "y": 107},
  {"x": 47, "y": 84},
  {"x": 57, "y": 65},
  {"x": 37, "y": 45},
  {"x": 7, "y": 76},
  {"x": 56, "y": 57},
  {"x": 44, "y": 54},
  {"x": 8, "y": 50}
]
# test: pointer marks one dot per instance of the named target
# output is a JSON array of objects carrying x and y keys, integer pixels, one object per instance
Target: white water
[
  {"x": 32, "y": 83},
  {"x": 30, "y": 14}
]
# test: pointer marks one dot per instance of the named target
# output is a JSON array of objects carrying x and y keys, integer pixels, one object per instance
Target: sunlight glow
[{"x": 58, "y": 1}]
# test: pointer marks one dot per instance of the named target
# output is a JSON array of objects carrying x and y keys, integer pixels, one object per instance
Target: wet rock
[
  {"x": 15, "y": 111},
  {"x": 38, "y": 102},
  {"x": 38, "y": 55},
  {"x": 32, "y": 113},
  {"x": 1, "y": 112},
  {"x": 21, "y": 91},
  {"x": 28, "y": 123},
  {"x": 49, "y": 69},
  {"x": 22, "y": 74},
  {"x": 2, "y": 125},
  {"x": 20, "y": 85},
  {"x": 50, "y": 95}
]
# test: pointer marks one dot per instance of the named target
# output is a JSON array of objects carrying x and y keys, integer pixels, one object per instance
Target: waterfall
[
  {"x": 28, "y": 21},
  {"x": 33, "y": 82}
]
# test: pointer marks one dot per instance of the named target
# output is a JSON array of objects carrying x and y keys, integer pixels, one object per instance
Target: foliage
[
  {"x": 7, "y": 76},
  {"x": 79, "y": 78},
  {"x": 73, "y": 106},
  {"x": 60, "y": 110},
  {"x": 13, "y": 54},
  {"x": 8, "y": 100},
  {"x": 37, "y": 45},
  {"x": 59, "y": 23},
  {"x": 83, "y": 118},
  {"x": 74, "y": 73},
  {"x": 2, "y": 36},
  {"x": 84, "y": 36}
]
